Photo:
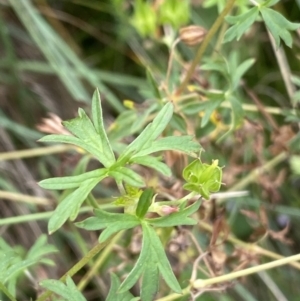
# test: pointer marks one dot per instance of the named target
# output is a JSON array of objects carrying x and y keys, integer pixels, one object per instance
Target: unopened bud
[
  {"x": 167, "y": 210},
  {"x": 192, "y": 35}
]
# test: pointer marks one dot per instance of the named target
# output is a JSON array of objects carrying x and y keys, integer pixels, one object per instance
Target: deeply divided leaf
[
  {"x": 152, "y": 257},
  {"x": 68, "y": 291},
  {"x": 241, "y": 24},
  {"x": 99, "y": 126},
  {"x": 278, "y": 25},
  {"x": 114, "y": 295}
]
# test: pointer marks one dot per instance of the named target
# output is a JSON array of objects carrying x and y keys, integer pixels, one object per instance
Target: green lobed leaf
[
  {"x": 177, "y": 218},
  {"x": 127, "y": 175},
  {"x": 150, "y": 283},
  {"x": 141, "y": 119},
  {"x": 144, "y": 202},
  {"x": 16, "y": 267},
  {"x": 113, "y": 222},
  {"x": 183, "y": 144},
  {"x": 99, "y": 127},
  {"x": 152, "y": 255},
  {"x": 92, "y": 149},
  {"x": 83, "y": 128},
  {"x": 114, "y": 295},
  {"x": 278, "y": 25},
  {"x": 241, "y": 23},
  {"x": 153, "y": 162},
  {"x": 40, "y": 248},
  {"x": 72, "y": 202},
  {"x": 156, "y": 248},
  {"x": 151, "y": 132},
  {"x": 239, "y": 72},
  {"x": 68, "y": 291},
  {"x": 61, "y": 183}
]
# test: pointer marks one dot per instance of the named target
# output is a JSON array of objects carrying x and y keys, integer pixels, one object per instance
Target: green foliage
[
  {"x": 13, "y": 263},
  {"x": 91, "y": 136},
  {"x": 216, "y": 99},
  {"x": 276, "y": 23},
  {"x": 114, "y": 295},
  {"x": 241, "y": 24},
  {"x": 144, "y": 202},
  {"x": 68, "y": 291},
  {"x": 151, "y": 262}
]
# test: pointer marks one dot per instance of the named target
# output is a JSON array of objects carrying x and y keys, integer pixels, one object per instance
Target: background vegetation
[{"x": 53, "y": 54}]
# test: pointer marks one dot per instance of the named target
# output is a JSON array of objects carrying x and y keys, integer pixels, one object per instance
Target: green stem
[
  {"x": 202, "y": 283},
  {"x": 14, "y": 196},
  {"x": 44, "y": 215},
  {"x": 35, "y": 152},
  {"x": 6, "y": 292},
  {"x": 204, "y": 45},
  {"x": 258, "y": 171},
  {"x": 106, "y": 252},
  {"x": 78, "y": 266}
]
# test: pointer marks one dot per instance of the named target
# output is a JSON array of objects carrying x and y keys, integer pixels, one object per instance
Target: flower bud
[
  {"x": 192, "y": 35},
  {"x": 167, "y": 210}
]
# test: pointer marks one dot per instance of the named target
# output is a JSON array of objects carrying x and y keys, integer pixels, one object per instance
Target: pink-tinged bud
[
  {"x": 167, "y": 210},
  {"x": 192, "y": 35}
]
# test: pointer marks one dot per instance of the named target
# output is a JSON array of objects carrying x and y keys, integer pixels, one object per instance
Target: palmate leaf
[
  {"x": 279, "y": 26},
  {"x": 151, "y": 261},
  {"x": 68, "y": 291},
  {"x": 241, "y": 23},
  {"x": 88, "y": 135}
]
